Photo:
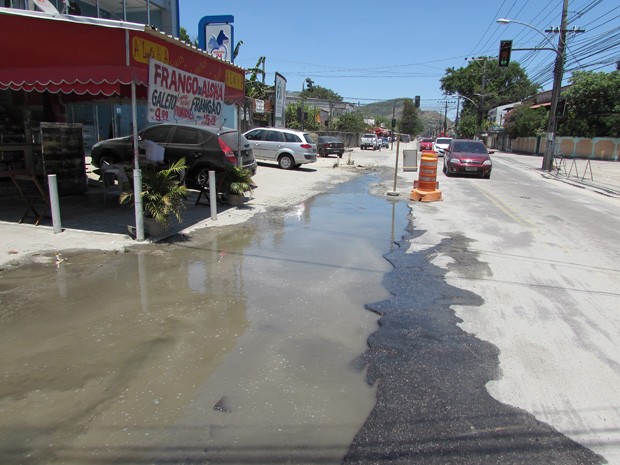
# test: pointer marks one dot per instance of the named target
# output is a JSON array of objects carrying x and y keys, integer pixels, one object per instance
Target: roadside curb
[{"x": 599, "y": 189}]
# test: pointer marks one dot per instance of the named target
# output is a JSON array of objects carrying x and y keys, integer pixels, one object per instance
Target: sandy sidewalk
[{"x": 276, "y": 188}]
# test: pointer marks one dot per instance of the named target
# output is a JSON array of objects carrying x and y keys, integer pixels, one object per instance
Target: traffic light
[
  {"x": 393, "y": 123},
  {"x": 310, "y": 83},
  {"x": 417, "y": 101},
  {"x": 505, "y": 46}
]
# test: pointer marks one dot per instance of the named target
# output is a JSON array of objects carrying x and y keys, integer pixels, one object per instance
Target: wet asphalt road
[{"x": 432, "y": 405}]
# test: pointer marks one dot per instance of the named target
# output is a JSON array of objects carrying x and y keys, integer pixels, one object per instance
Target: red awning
[{"x": 89, "y": 56}]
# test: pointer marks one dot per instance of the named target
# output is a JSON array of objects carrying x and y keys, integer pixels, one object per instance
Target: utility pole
[
  {"x": 555, "y": 93},
  {"x": 481, "y": 109},
  {"x": 456, "y": 121}
]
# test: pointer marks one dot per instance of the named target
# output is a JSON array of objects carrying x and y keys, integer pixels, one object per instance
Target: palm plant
[
  {"x": 162, "y": 193},
  {"x": 237, "y": 180}
]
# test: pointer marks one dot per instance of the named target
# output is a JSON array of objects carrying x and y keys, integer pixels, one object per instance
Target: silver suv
[{"x": 288, "y": 147}]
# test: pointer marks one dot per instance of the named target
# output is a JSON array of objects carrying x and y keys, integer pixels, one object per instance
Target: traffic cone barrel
[{"x": 425, "y": 188}]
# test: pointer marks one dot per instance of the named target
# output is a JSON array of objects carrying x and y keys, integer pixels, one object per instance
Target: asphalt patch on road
[{"x": 432, "y": 405}]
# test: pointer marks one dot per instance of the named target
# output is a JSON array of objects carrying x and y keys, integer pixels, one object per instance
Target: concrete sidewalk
[{"x": 598, "y": 175}]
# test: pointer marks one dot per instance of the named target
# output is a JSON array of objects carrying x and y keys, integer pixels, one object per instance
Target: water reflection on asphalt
[{"x": 235, "y": 344}]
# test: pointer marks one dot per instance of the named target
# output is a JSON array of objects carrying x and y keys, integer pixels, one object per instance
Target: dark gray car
[{"x": 204, "y": 148}]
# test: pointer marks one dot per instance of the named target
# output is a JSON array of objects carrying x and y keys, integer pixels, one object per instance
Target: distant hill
[{"x": 386, "y": 107}]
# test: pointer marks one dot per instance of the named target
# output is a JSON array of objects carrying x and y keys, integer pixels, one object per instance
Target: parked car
[
  {"x": 465, "y": 156},
  {"x": 370, "y": 141},
  {"x": 441, "y": 144},
  {"x": 205, "y": 148},
  {"x": 288, "y": 147},
  {"x": 426, "y": 144},
  {"x": 327, "y": 145},
  {"x": 385, "y": 142}
]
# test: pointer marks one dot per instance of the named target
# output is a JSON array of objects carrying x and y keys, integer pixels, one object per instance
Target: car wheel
[
  {"x": 106, "y": 159},
  {"x": 200, "y": 177},
  {"x": 340, "y": 155},
  {"x": 487, "y": 176},
  {"x": 286, "y": 162}
]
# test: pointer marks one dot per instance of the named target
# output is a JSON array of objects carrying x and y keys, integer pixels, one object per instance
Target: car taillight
[
  {"x": 306, "y": 146},
  {"x": 228, "y": 152}
]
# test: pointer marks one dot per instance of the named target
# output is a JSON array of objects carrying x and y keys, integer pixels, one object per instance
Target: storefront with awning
[
  {"x": 90, "y": 58},
  {"x": 72, "y": 59}
]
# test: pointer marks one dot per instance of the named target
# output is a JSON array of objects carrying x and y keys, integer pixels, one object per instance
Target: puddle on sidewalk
[{"x": 237, "y": 343}]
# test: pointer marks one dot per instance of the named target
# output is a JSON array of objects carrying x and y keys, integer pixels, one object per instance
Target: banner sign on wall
[{"x": 180, "y": 97}]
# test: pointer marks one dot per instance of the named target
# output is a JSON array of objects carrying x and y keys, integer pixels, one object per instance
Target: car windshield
[
  {"x": 369, "y": 135},
  {"x": 427, "y": 140},
  {"x": 443, "y": 141},
  {"x": 469, "y": 147}
]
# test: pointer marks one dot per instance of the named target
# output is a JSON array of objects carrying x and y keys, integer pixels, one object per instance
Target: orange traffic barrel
[{"x": 425, "y": 188}]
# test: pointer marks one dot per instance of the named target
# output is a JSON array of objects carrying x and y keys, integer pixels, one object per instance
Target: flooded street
[{"x": 237, "y": 345}]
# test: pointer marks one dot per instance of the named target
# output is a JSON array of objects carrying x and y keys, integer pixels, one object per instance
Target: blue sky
[{"x": 371, "y": 51}]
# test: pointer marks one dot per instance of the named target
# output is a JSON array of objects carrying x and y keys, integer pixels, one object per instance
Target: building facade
[{"x": 103, "y": 118}]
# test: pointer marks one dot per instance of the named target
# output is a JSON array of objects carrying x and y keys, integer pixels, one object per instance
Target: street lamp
[{"x": 558, "y": 72}]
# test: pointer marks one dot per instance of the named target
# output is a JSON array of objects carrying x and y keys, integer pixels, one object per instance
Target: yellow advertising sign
[
  {"x": 234, "y": 79},
  {"x": 143, "y": 49}
]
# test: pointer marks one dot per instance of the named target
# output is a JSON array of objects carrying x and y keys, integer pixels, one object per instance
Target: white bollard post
[
  {"x": 212, "y": 195},
  {"x": 54, "y": 203}
]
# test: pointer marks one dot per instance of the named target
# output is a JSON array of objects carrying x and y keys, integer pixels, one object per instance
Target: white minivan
[{"x": 288, "y": 147}]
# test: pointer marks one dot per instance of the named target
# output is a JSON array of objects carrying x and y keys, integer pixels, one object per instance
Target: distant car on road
[
  {"x": 426, "y": 144},
  {"x": 327, "y": 145},
  {"x": 370, "y": 141},
  {"x": 205, "y": 148},
  {"x": 385, "y": 142},
  {"x": 288, "y": 147},
  {"x": 441, "y": 144},
  {"x": 465, "y": 156}
]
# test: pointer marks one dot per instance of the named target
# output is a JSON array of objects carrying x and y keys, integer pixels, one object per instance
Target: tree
[
  {"x": 184, "y": 36},
  {"x": 468, "y": 124},
  {"x": 410, "y": 122},
  {"x": 351, "y": 122},
  {"x": 524, "y": 121},
  {"x": 322, "y": 93},
  {"x": 255, "y": 88},
  {"x": 484, "y": 82},
  {"x": 293, "y": 120},
  {"x": 592, "y": 105}
]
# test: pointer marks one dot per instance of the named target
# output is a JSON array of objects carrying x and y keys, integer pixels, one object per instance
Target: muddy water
[{"x": 235, "y": 346}]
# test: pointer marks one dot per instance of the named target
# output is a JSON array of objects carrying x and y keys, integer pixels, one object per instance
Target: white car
[
  {"x": 441, "y": 144},
  {"x": 288, "y": 147}
]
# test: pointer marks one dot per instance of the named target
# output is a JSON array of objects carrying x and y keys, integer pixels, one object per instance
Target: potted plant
[
  {"x": 236, "y": 182},
  {"x": 163, "y": 193}
]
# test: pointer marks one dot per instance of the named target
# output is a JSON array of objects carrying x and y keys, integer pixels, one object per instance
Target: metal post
[
  {"x": 555, "y": 93},
  {"x": 394, "y": 192},
  {"x": 54, "y": 203},
  {"x": 137, "y": 174},
  {"x": 212, "y": 195},
  {"x": 301, "y": 113}
]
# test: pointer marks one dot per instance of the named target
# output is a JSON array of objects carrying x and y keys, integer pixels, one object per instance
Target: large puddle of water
[{"x": 235, "y": 346}]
